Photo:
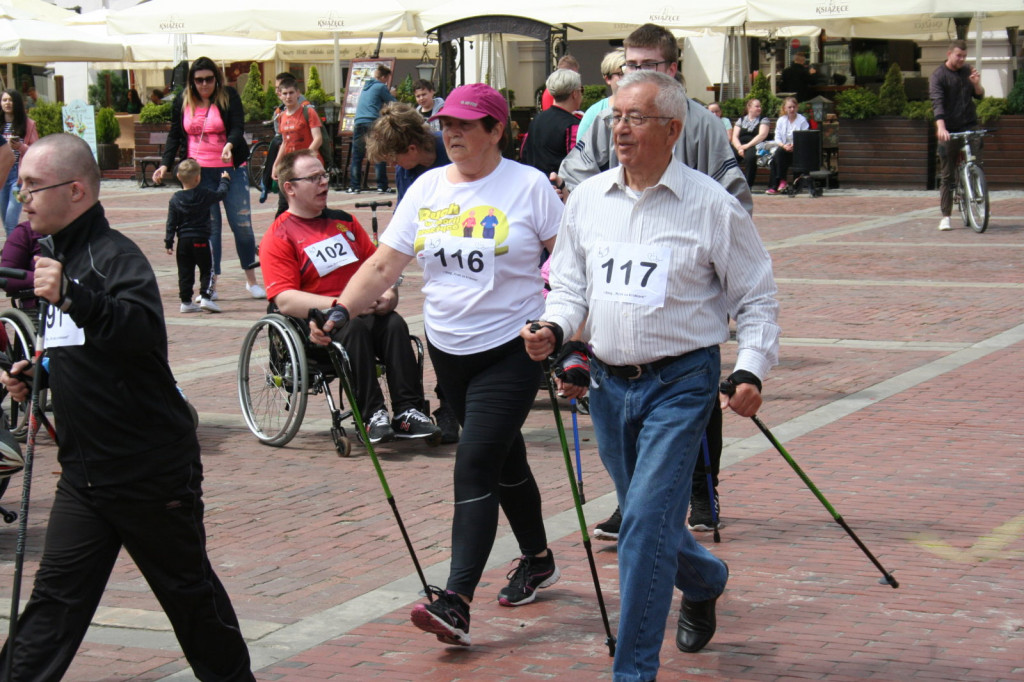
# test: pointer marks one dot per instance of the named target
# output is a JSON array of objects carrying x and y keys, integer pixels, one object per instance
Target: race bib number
[
  {"x": 61, "y": 329},
  {"x": 464, "y": 262},
  {"x": 630, "y": 273},
  {"x": 330, "y": 254}
]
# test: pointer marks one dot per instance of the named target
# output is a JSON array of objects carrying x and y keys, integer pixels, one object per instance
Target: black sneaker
[
  {"x": 352, "y": 190},
  {"x": 609, "y": 530},
  {"x": 702, "y": 518},
  {"x": 447, "y": 617},
  {"x": 386, "y": 190},
  {"x": 449, "y": 425},
  {"x": 378, "y": 429},
  {"x": 414, "y": 424},
  {"x": 528, "y": 575}
]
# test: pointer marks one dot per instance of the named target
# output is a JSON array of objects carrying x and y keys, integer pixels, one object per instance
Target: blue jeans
[
  {"x": 236, "y": 205},
  {"x": 358, "y": 154},
  {"x": 648, "y": 433},
  {"x": 9, "y": 204}
]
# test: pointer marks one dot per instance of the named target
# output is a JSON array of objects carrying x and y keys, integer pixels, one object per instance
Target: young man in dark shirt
[{"x": 953, "y": 87}]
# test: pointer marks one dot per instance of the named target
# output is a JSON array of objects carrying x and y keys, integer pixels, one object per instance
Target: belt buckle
[{"x": 638, "y": 369}]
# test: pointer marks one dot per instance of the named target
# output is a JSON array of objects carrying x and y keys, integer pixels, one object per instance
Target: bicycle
[
  {"x": 258, "y": 159},
  {"x": 970, "y": 192}
]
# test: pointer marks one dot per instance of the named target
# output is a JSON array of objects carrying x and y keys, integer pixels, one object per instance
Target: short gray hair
[
  {"x": 563, "y": 83},
  {"x": 671, "y": 97}
]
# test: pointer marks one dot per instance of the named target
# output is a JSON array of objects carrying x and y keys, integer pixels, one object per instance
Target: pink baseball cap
[{"x": 472, "y": 102}]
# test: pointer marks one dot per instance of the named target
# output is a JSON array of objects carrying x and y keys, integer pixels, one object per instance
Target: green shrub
[
  {"x": 865, "y": 64},
  {"x": 991, "y": 108},
  {"x": 734, "y": 108},
  {"x": 893, "y": 96},
  {"x": 155, "y": 113},
  {"x": 48, "y": 117},
  {"x": 920, "y": 110},
  {"x": 592, "y": 94},
  {"x": 1015, "y": 100},
  {"x": 270, "y": 101},
  {"x": 314, "y": 89},
  {"x": 404, "y": 91},
  {"x": 252, "y": 94},
  {"x": 118, "y": 90},
  {"x": 509, "y": 95},
  {"x": 858, "y": 103},
  {"x": 107, "y": 128},
  {"x": 771, "y": 105}
]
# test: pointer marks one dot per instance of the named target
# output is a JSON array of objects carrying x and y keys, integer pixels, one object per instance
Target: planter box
[
  {"x": 1001, "y": 155},
  {"x": 887, "y": 152}
]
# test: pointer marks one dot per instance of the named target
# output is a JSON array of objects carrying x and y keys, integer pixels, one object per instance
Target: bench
[{"x": 147, "y": 163}]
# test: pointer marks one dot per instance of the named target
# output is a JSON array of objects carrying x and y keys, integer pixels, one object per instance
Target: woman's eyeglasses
[{"x": 206, "y": 80}]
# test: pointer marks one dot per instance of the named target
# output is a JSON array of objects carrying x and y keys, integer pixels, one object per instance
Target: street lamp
[{"x": 425, "y": 68}]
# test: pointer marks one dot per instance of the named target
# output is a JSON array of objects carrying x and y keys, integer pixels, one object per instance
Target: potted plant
[
  {"x": 252, "y": 95},
  {"x": 107, "y": 132},
  {"x": 315, "y": 90},
  {"x": 865, "y": 67}
]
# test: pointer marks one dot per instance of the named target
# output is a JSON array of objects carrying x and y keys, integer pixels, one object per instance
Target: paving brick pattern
[{"x": 899, "y": 387}]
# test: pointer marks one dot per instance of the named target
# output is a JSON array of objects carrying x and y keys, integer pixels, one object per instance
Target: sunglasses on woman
[{"x": 206, "y": 80}]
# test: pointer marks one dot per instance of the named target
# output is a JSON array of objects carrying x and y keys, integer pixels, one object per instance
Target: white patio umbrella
[
  {"x": 264, "y": 19},
  {"x": 25, "y": 40},
  {"x": 32, "y": 9}
]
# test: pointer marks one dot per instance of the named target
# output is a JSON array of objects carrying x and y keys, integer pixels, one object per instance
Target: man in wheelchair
[{"x": 308, "y": 256}]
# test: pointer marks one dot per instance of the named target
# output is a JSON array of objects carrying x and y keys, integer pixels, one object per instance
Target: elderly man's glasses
[
  {"x": 205, "y": 80},
  {"x": 315, "y": 177},
  {"x": 25, "y": 195},
  {"x": 636, "y": 120},
  {"x": 643, "y": 66}
]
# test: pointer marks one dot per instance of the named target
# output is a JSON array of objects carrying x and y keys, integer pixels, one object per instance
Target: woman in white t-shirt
[{"x": 480, "y": 288}]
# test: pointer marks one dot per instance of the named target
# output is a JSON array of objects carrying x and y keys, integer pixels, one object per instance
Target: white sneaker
[
  {"x": 944, "y": 224},
  {"x": 209, "y": 306},
  {"x": 256, "y": 291},
  {"x": 190, "y": 308},
  {"x": 213, "y": 296}
]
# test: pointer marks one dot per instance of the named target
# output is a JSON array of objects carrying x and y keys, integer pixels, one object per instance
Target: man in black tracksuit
[{"x": 131, "y": 474}]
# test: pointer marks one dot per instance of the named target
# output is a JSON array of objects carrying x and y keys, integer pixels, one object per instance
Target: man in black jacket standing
[{"x": 131, "y": 474}]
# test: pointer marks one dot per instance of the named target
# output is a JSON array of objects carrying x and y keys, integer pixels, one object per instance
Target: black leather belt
[{"x": 636, "y": 371}]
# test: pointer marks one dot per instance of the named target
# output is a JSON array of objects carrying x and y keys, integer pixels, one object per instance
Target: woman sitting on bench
[{"x": 788, "y": 122}]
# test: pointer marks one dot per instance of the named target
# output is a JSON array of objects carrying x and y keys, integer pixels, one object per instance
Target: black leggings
[{"x": 491, "y": 393}]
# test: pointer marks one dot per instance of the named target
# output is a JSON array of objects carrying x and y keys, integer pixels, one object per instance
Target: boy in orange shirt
[{"x": 299, "y": 125}]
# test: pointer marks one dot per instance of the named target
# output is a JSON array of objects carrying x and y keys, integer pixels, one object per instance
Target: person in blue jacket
[{"x": 375, "y": 94}]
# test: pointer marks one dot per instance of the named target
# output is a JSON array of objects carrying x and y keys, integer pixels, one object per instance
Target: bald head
[
  {"x": 69, "y": 158},
  {"x": 60, "y": 181}
]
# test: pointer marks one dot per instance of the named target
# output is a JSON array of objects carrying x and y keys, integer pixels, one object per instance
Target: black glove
[
  {"x": 338, "y": 314},
  {"x": 572, "y": 365}
]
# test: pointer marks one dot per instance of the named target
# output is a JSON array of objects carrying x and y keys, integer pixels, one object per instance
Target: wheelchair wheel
[
  {"x": 272, "y": 380},
  {"x": 21, "y": 346}
]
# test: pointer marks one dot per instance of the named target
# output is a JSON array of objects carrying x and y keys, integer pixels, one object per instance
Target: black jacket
[
  {"x": 234, "y": 122},
  {"x": 119, "y": 415},
  {"x": 188, "y": 212}
]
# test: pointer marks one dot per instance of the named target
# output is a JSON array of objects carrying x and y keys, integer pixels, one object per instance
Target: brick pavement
[{"x": 896, "y": 340}]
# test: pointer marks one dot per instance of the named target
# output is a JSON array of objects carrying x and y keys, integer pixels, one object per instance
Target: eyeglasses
[
  {"x": 315, "y": 177},
  {"x": 205, "y": 80},
  {"x": 636, "y": 120},
  {"x": 644, "y": 66},
  {"x": 25, "y": 195}
]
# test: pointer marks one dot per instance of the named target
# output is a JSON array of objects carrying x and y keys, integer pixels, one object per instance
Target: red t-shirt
[
  {"x": 296, "y": 130},
  {"x": 315, "y": 255}
]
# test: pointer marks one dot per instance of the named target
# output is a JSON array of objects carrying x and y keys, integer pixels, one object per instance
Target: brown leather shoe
[{"x": 697, "y": 623}]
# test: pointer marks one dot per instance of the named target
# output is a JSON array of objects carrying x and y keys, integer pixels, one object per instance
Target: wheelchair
[
  {"x": 278, "y": 369},
  {"x": 17, "y": 341}
]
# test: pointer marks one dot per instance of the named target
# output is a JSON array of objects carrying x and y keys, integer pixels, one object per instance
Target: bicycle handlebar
[
  {"x": 13, "y": 273},
  {"x": 373, "y": 205},
  {"x": 968, "y": 133}
]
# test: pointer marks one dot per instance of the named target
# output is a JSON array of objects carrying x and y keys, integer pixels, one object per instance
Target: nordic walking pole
[
  {"x": 26, "y": 486},
  {"x": 728, "y": 388},
  {"x": 339, "y": 358},
  {"x": 546, "y": 366},
  {"x": 576, "y": 441},
  {"x": 711, "y": 485}
]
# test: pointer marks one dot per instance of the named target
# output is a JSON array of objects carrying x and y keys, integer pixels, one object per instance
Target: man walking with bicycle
[{"x": 953, "y": 87}]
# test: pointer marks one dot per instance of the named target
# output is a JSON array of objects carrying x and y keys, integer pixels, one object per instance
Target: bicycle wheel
[
  {"x": 257, "y": 161},
  {"x": 272, "y": 380},
  {"x": 975, "y": 199},
  {"x": 21, "y": 337}
]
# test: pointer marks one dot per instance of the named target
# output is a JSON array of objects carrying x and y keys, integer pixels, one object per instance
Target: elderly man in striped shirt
[{"x": 656, "y": 257}]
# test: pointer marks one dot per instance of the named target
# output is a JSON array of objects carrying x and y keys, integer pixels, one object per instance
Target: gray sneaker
[
  {"x": 414, "y": 424},
  {"x": 378, "y": 429}
]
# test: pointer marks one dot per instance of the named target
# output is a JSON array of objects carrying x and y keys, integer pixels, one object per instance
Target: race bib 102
[{"x": 327, "y": 255}]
